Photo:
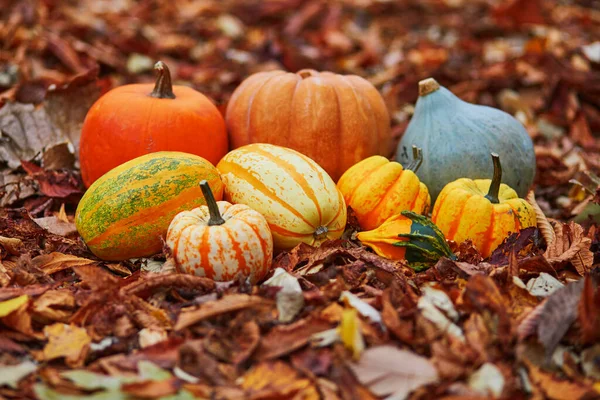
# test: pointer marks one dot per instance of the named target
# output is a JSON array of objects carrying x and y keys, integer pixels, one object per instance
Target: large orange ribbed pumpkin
[
  {"x": 336, "y": 120},
  {"x": 133, "y": 120},
  {"x": 299, "y": 200}
]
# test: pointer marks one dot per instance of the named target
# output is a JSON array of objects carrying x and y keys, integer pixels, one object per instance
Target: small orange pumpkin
[
  {"x": 336, "y": 120},
  {"x": 134, "y": 120},
  {"x": 221, "y": 240},
  {"x": 464, "y": 211},
  {"x": 377, "y": 188}
]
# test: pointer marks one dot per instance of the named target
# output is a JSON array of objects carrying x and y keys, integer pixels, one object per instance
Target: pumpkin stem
[
  {"x": 417, "y": 159},
  {"x": 307, "y": 73},
  {"x": 213, "y": 208},
  {"x": 163, "y": 89},
  {"x": 496, "y": 180},
  {"x": 427, "y": 86},
  {"x": 321, "y": 232}
]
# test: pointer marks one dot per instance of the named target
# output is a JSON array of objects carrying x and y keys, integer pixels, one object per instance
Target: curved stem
[
  {"x": 496, "y": 180},
  {"x": 163, "y": 89},
  {"x": 213, "y": 208}
]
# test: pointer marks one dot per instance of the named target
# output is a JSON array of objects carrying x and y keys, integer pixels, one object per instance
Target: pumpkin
[
  {"x": 464, "y": 211},
  {"x": 133, "y": 120},
  {"x": 408, "y": 236},
  {"x": 126, "y": 213},
  {"x": 220, "y": 240},
  {"x": 457, "y": 138},
  {"x": 299, "y": 200},
  {"x": 335, "y": 120},
  {"x": 377, "y": 188}
]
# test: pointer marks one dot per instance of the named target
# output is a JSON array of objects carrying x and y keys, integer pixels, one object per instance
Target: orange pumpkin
[
  {"x": 133, "y": 120},
  {"x": 464, "y": 211},
  {"x": 377, "y": 188},
  {"x": 221, "y": 240},
  {"x": 335, "y": 120}
]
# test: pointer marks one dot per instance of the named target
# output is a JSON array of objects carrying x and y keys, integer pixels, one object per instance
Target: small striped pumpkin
[
  {"x": 296, "y": 196},
  {"x": 221, "y": 240},
  {"x": 377, "y": 188},
  {"x": 464, "y": 211},
  {"x": 126, "y": 212}
]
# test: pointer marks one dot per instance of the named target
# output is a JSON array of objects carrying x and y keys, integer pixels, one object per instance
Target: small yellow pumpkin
[
  {"x": 377, "y": 188},
  {"x": 464, "y": 211},
  {"x": 221, "y": 240}
]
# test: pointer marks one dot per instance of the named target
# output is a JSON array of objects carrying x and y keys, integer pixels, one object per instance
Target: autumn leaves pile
[{"x": 162, "y": 177}]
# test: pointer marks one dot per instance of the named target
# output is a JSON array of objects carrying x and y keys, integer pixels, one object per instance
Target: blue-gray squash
[{"x": 457, "y": 138}]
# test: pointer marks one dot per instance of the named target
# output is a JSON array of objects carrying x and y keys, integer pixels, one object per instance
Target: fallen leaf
[
  {"x": 389, "y": 371},
  {"x": 552, "y": 318},
  {"x": 350, "y": 332},
  {"x": 558, "y": 389},
  {"x": 571, "y": 245},
  {"x": 289, "y": 298},
  {"x": 235, "y": 302},
  {"x": 54, "y": 225},
  {"x": 151, "y": 336},
  {"x": 10, "y": 375},
  {"x": 9, "y": 306},
  {"x": 55, "y": 262},
  {"x": 362, "y": 307},
  {"x": 488, "y": 380},
  {"x": 544, "y": 285},
  {"x": 589, "y": 311},
  {"x": 59, "y": 156},
  {"x": 275, "y": 379},
  {"x": 589, "y": 362},
  {"x": 55, "y": 305},
  {"x": 67, "y": 341},
  {"x": 11, "y": 245},
  {"x": 542, "y": 221}
]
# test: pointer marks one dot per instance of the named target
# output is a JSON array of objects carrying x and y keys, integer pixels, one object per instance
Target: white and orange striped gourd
[
  {"x": 299, "y": 200},
  {"x": 220, "y": 240}
]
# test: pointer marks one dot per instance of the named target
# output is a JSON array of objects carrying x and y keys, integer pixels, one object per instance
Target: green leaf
[
  {"x": 92, "y": 381},
  {"x": 43, "y": 392},
  {"x": 150, "y": 371}
]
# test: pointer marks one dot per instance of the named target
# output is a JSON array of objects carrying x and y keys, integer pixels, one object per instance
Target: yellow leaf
[
  {"x": 9, "y": 306},
  {"x": 67, "y": 341},
  {"x": 350, "y": 333}
]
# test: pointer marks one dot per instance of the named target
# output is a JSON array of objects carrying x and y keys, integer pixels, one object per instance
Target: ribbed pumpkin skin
[
  {"x": 376, "y": 189},
  {"x": 335, "y": 120},
  {"x": 295, "y": 195},
  {"x": 126, "y": 213},
  {"x": 243, "y": 244},
  {"x": 457, "y": 138},
  {"x": 462, "y": 212},
  {"x": 127, "y": 123}
]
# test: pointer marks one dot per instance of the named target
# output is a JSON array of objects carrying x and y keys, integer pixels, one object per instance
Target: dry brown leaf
[
  {"x": 151, "y": 389},
  {"x": 55, "y": 262},
  {"x": 558, "y": 389},
  {"x": 542, "y": 222},
  {"x": 235, "y": 302},
  {"x": 571, "y": 245},
  {"x": 589, "y": 312},
  {"x": 55, "y": 305},
  {"x": 388, "y": 370},
  {"x": 68, "y": 341},
  {"x": 57, "y": 226},
  {"x": 13, "y": 246}
]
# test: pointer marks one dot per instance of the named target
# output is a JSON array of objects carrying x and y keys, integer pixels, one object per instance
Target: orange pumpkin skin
[
  {"x": 377, "y": 189},
  {"x": 127, "y": 122},
  {"x": 333, "y": 119},
  {"x": 242, "y": 244}
]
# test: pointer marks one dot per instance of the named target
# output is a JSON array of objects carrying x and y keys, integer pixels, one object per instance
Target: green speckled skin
[
  {"x": 127, "y": 211},
  {"x": 457, "y": 138}
]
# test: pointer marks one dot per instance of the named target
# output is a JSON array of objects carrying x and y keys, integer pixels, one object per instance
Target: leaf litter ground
[{"x": 337, "y": 322}]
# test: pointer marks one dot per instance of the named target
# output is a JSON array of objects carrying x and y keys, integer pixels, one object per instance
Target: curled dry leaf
[
  {"x": 275, "y": 379},
  {"x": 571, "y": 245},
  {"x": 56, "y": 262},
  {"x": 290, "y": 299},
  {"x": 542, "y": 222}
]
